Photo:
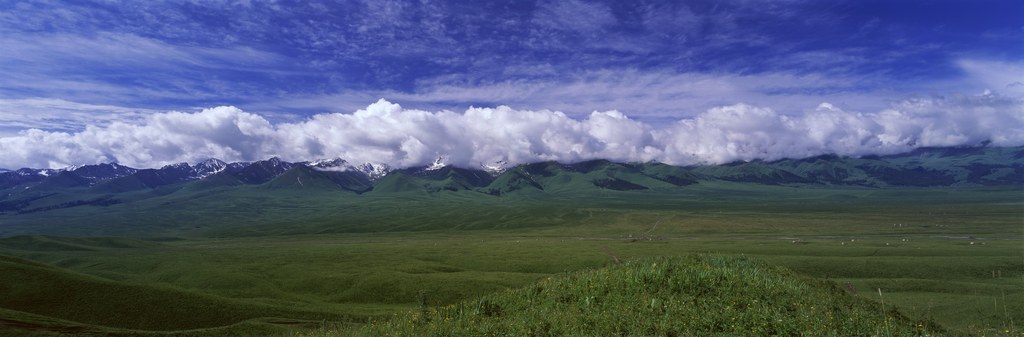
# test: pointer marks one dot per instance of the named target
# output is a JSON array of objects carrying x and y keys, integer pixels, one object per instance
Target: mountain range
[
  {"x": 923, "y": 167},
  {"x": 26, "y": 191}
]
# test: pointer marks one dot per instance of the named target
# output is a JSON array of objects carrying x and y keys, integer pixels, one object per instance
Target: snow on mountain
[
  {"x": 495, "y": 169},
  {"x": 32, "y": 172},
  {"x": 237, "y": 166},
  {"x": 438, "y": 164},
  {"x": 209, "y": 166},
  {"x": 180, "y": 171},
  {"x": 336, "y": 164},
  {"x": 178, "y": 166},
  {"x": 101, "y": 172},
  {"x": 374, "y": 172},
  {"x": 263, "y": 171}
]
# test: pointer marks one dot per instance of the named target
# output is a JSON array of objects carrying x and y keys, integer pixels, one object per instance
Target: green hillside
[
  {"x": 218, "y": 180},
  {"x": 671, "y": 296},
  {"x": 923, "y": 167},
  {"x": 513, "y": 180},
  {"x": 398, "y": 182},
  {"x": 672, "y": 175},
  {"x": 302, "y": 177},
  {"x": 41, "y": 289},
  {"x": 120, "y": 185},
  {"x": 63, "y": 180},
  {"x": 751, "y": 173}
]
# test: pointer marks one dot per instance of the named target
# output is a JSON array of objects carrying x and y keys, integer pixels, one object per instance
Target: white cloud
[
  {"x": 384, "y": 132},
  {"x": 161, "y": 139}
]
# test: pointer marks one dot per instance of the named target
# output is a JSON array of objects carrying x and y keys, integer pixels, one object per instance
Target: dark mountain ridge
[
  {"x": 273, "y": 191},
  {"x": 920, "y": 168}
]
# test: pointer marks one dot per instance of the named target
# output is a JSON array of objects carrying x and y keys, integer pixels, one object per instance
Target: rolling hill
[
  {"x": 690, "y": 295},
  {"x": 40, "y": 289}
]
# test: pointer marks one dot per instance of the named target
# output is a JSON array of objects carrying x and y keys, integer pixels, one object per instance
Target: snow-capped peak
[
  {"x": 101, "y": 171},
  {"x": 212, "y": 163},
  {"x": 438, "y": 163},
  {"x": 180, "y": 166},
  {"x": 336, "y": 164},
  {"x": 209, "y": 166},
  {"x": 42, "y": 172},
  {"x": 374, "y": 171},
  {"x": 495, "y": 169},
  {"x": 71, "y": 168}
]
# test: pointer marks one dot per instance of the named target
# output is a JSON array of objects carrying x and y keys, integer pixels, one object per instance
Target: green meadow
[{"x": 250, "y": 261}]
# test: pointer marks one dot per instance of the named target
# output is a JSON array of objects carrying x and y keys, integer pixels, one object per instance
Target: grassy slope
[
  {"x": 63, "y": 243},
  {"x": 21, "y": 324},
  {"x": 50, "y": 291},
  {"x": 681, "y": 296}
]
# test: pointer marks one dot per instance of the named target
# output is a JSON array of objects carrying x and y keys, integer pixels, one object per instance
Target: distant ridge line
[{"x": 920, "y": 168}]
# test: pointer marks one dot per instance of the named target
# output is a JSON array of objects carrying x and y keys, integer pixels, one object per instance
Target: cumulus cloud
[{"x": 384, "y": 132}]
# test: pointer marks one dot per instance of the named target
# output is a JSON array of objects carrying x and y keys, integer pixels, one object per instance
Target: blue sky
[{"x": 67, "y": 67}]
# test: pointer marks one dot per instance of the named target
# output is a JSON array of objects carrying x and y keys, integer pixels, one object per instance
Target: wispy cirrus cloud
[
  {"x": 120, "y": 67},
  {"x": 167, "y": 54},
  {"x": 645, "y": 94},
  {"x": 56, "y": 114}
]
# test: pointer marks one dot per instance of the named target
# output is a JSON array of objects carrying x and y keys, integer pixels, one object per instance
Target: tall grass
[{"x": 694, "y": 294}]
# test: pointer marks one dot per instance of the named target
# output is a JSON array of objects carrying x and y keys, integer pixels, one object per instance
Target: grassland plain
[{"x": 352, "y": 262}]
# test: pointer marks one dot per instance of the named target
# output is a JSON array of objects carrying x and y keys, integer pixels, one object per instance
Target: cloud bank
[{"x": 384, "y": 132}]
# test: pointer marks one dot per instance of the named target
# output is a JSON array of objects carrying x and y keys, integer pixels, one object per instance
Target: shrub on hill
[{"x": 677, "y": 296}]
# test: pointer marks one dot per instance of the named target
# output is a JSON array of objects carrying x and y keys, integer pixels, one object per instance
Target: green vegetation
[
  {"x": 34, "y": 288},
  {"x": 451, "y": 249},
  {"x": 309, "y": 251},
  {"x": 690, "y": 295}
]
